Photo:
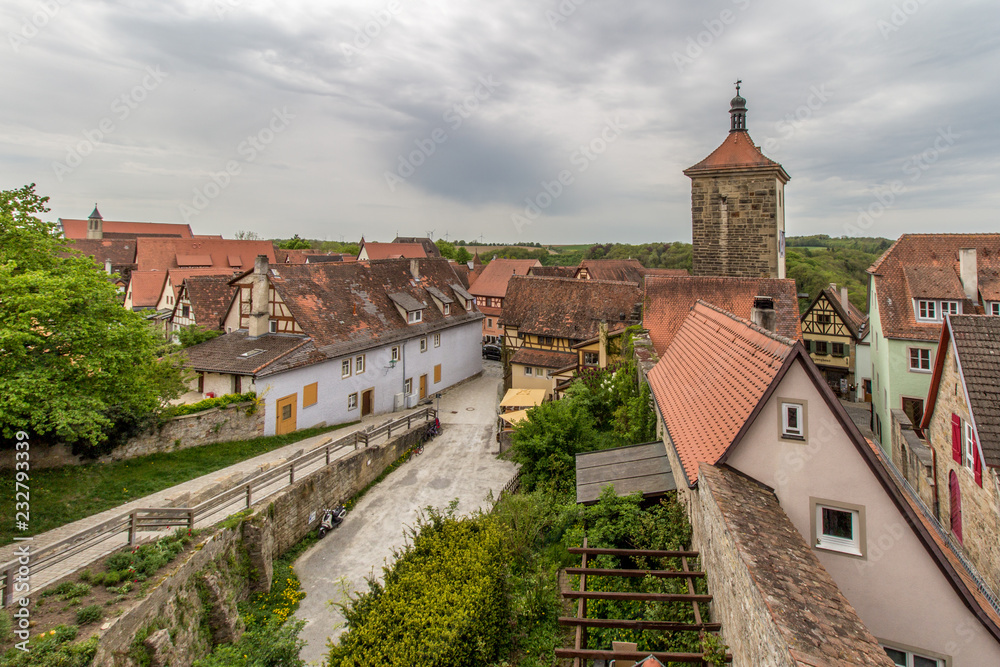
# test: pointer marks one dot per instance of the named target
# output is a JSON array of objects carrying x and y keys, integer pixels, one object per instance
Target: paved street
[{"x": 459, "y": 464}]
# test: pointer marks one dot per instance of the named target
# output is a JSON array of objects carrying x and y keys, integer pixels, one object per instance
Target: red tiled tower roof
[{"x": 736, "y": 152}]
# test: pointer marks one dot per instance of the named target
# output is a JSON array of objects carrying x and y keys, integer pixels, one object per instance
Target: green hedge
[
  {"x": 444, "y": 600},
  {"x": 209, "y": 403}
]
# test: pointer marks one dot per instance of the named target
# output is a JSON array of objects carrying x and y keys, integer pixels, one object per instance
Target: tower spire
[{"x": 738, "y": 111}]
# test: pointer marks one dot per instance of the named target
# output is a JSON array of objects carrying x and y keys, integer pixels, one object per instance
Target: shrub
[
  {"x": 53, "y": 649},
  {"x": 209, "y": 403},
  {"x": 68, "y": 590},
  {"x": 89, "y": 614},
  {"x": 271, "y": 646},
  {"x": 444, "y": 600},
  {"x": 112, "y": 578}
]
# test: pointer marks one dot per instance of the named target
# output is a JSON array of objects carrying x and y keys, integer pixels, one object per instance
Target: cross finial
[{"x": 738, "y": 82}]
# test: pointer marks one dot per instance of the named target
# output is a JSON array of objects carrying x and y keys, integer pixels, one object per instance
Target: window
[
  {"x": 838, "y": 349},
  {"x": 968, "y": 446},
  {"x": 838, "y": 527},
  {"x": 395, "y": 354},
  {"x": 545, "y": 340},
  {"x": 820, "y": 346},
  {"x": 447, "y": 309},
  {"x": 910, "y": 659},
  {"x": 489, "y": 322},
  {"x": 309, "y": 394},
  {"x": 437, "y": 340},
  {"x": 352, "y": 401},
  {"x": 345, "y": 368},
  {"x": 591, "y": 358},
  {"x": 994, "y": 308},
  {"x": 359, "y": 364},
  {"x": 185, "y": 311},
  {"x": 415, "y": 316},
  {"x": 437, "y": 373},
  {"x": 528, "y": 370},
  {"x": 927, "y": 311},
  {"x": 423, "y": 344},
  {"x": 408, "y": 386},
  {"x": 272, "y": 326},
  {"x": 468, "y": 304},
  {"x": 920, "y": 359},
  {"x": 793, "y": 420},
  {"x": 822, "y": 319},
  {"x": 950, "y": 308}
]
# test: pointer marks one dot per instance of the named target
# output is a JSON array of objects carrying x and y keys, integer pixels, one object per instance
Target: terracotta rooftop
[
  {"x": 527, "y": 356},
  {"x": 976, "y": 341},
  {"x": 989, "y": 283},
  {"x": 568, "y": 308},
  {"x": 920, "y": 265},
  {"x": 492, "y": 282},
  {"x": 121, "y": 252},
  {"x": 146, "y": 287},
  {"x": 817, "y": 623},
  {"x": 553, "y": 271},
  {"x": 239, "y": 354},
  {"x": 210, "y": 297},
  {"x": 165, "y": 254},
  {"x": 710, "y": 378},
  {"x": 393, "y": 250},
  {"x": 669, "y": 298},
  {"x": 176, "y": 277},
  {"x": 623, "y": 270},
  {"x": 737, "y": 152},
  {"x": 73, "y": 228},
  {"x": 430, "y": 248}
]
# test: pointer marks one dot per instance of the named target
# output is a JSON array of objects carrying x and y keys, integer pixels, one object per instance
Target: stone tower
[
  {"x": 95, "y": 225},
  {"x": 738, "y": 207}
]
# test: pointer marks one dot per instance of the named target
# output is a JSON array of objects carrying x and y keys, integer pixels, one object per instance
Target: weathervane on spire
[{"x": 738, "y": 82}]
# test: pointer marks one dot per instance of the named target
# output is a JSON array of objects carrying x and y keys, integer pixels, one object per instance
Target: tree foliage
[
  {"x": 674, "y": 255},
  {"x": 194, "y": 334},
  {"x": 75, "y": 366},
  {"x": 446, "y": 249},
  {"x": 295, "y": 243},
  {"x": 462, "y": 255}
]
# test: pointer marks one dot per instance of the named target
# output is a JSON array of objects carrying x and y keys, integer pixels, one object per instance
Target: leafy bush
[
  {"x": 209, "y": 403},
  {"x": 89, "y": 614},
  {"x": 444, "y": 600},
  {"x": 193, "y": 335},
  {"x": 68, "y": 590},
  {"x": 141, "y": 562},
  {"x": 269, "y": 646},
  {"x": 53, "y": 649}
]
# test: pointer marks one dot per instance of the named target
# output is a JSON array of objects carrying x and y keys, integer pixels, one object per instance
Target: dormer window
[
  {"x": 927, "y": 311},
  {"x": 950, "y": 308},
  {"x": 447, "y": 309},
  {"x": 415, "y": 316},
  {"x": 994, "y": 308},
  {"x": 468, "y": 304}
]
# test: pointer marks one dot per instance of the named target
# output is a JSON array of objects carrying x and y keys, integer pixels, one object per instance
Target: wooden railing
[{"x": 159, "y": 518}]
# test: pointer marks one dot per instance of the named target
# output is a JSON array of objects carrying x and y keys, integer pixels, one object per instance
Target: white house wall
[{"x": 460, "y": 357}]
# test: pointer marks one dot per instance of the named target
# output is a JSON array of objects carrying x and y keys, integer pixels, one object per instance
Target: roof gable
[
  {"x": 210, "y": 297},
  {"x": 493, "y": 280},
  {"x": 163, "y": 254},
  {"x": 145, "y": 288},
  {"x": 393, "y": 250}
]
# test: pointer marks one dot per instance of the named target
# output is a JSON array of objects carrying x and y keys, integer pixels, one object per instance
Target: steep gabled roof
[
  {"x": 238, "y": 354},
  {"x": 163, "y": 254},
  {"x": 430, "y": 248},
  {"x": 393, "y": 250},
  {"x": 623, "y": 270},
  {"x": 736, "y": 153},
  {"x": 74, "y": 228},
  {"x": 566, "y": 307},
  {"x": 210, "y": 297},
  {"x": 925, "y": 265},
  {"x": 146, "y": 287},
  {"x": 553, "y": 271},
  {"x": 975, "y": 340},
  {"x": 668, "y": 299},
  {"x": 176, "y": 277},
  {"x": 709, "y": 380},
  {"x": 852, "y": 318},
  {"x": 492, "y": 282}
]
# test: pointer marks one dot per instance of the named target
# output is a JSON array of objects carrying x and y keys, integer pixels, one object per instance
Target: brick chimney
[
  {"x": 969, "y": 273},
  {"x": 415, "y": 269},
  {"x": 762, "y": 314},
  {"x": 844, "y": 301},
  {"x": 259, "y": 306}
]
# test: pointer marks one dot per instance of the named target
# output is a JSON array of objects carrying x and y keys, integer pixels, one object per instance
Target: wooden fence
[{"x": 158, "y": 518}]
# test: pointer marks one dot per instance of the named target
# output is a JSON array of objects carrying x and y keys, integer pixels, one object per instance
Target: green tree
[
  {"x": 462, "y": 255},
  {"x": 194, "y": 334},
  {"x": 446, "y": 249},
  {"x": 295, "y": 243},
  {"x": 246, "y": 235},
  {"x": 75, "y": 365}
]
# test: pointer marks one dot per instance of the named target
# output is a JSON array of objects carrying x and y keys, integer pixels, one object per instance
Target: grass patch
[{"x": 63, "y": 495}]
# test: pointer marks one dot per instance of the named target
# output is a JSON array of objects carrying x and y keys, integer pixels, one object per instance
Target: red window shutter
[
  {"x": 956, "y": 438},
  {"x": 977, "y": 466}
]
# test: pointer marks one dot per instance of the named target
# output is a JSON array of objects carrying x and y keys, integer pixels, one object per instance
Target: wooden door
[
  {"x": 437, "y": 374},
  {"x": 367, "y": 401},
  {"x": 286, "y": 414},
  {"x": 423, "y": 387}
]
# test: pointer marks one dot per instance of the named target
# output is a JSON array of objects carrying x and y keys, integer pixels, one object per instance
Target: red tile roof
[
  {"x": 146, "y": 287},
  {"x": 210, "y": 297},
  {"x": 710, "y": 378},
  {"x": 492, "y": 282},
  {"x": 177, "y": 277},
  {"x": 989, "y": 283},
  {"x": 527, "y": 356},
  {"x": 121, "y": 252},
  {"x": 393, "y": 250},
  {"x": 430, "y": 248},
  {"x": 553, "y": 271},
  {"x": 77, "y": 229},
  {"x": 923, "y": 264},
  {"x": 737, "y": 152},
  {"x": 566, "y": 307},
  {"x": 625, "y": 270},
  {"x": 164, "y": 254},
  {"x": 669, "y": 298}
]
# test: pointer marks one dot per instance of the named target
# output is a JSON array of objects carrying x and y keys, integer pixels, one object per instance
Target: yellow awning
[
  {"x": 522, "y": 398},
  {"x": 514, "y": 417}
]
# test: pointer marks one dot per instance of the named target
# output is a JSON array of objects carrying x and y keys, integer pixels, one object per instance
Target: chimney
[
  {"x": 969, "y": 274},
  {"x": 602, "y": 352},
  {"x": 259, "y": 315},
  {"x": 763, "y": 314},
  {"x": 844, "y": 301},
  {"x": 95, "y": 225},
  {"x": 415, "y": 269},
  {"x": 107, "y": 266}
]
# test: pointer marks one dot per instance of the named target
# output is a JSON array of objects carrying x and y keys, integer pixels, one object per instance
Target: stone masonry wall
[
  {"x": 913, "y": 458},
  {"x": 235, "y": 562},
  {"x": 980, "y": 506},
  {"x": 746, "y": 244}
]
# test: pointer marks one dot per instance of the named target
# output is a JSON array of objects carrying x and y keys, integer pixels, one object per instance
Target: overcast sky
[{"x": 333, "y": 120}]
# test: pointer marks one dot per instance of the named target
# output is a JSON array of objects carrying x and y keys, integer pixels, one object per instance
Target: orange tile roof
[
  {"x": 669, "y": 298},
  {"x": 921, "y": 265},
  {"x": 569, "y": 308},
  {"x": 735, "y": 153},
  {"x": 210, "y": 297},
  {"x": 494, "y": 278},
  {"x": 146, "y": 287},
  {"x": 77, "y": 229},
  {"x": 710, "y": 378},
  {"x": 178, "y": 276},
  {"x": 162, "y": 254},
  {"x": 394, "y": 250}
]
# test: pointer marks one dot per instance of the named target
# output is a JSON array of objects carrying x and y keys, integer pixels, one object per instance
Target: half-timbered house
[{"x": 831, "y": 329}]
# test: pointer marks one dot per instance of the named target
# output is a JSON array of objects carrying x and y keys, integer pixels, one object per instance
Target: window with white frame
[
  {"x": 408, "y": 386},
  {"x": 447, "y": 309},
  {"x": 272, "y": 326},
  {"x": 468, "y": 304},
  {"x": 423, "y": 344},
  {"x": 345, "y": 368},
  {"x": 927, "y": 311},
  {"x": 415, "y": 316},
  {"x": 352, "y": 401},
  {"x": 838, "y": 527},
  {"x": 994, "y": 308},
  {"x": 968, "y": 446},
  {"x": 950, "y": 308},
  {"x": 591, "y": 358},
  {"x": 909, "y": 658},
  {"x": 793, "y": 421},
  {"x": 437, "y": 340},
  {"x": 528, "y": 370},
  {"x": 395, "y": 354},
  {"x": 920, "y": 359},
  {"x": 359, "y": 364}
]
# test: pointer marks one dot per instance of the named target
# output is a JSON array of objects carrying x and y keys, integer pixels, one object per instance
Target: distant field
[{"x": 571, "y": 248}]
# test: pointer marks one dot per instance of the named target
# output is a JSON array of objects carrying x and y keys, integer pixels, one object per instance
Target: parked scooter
[{"x": 331, "y": 519}]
